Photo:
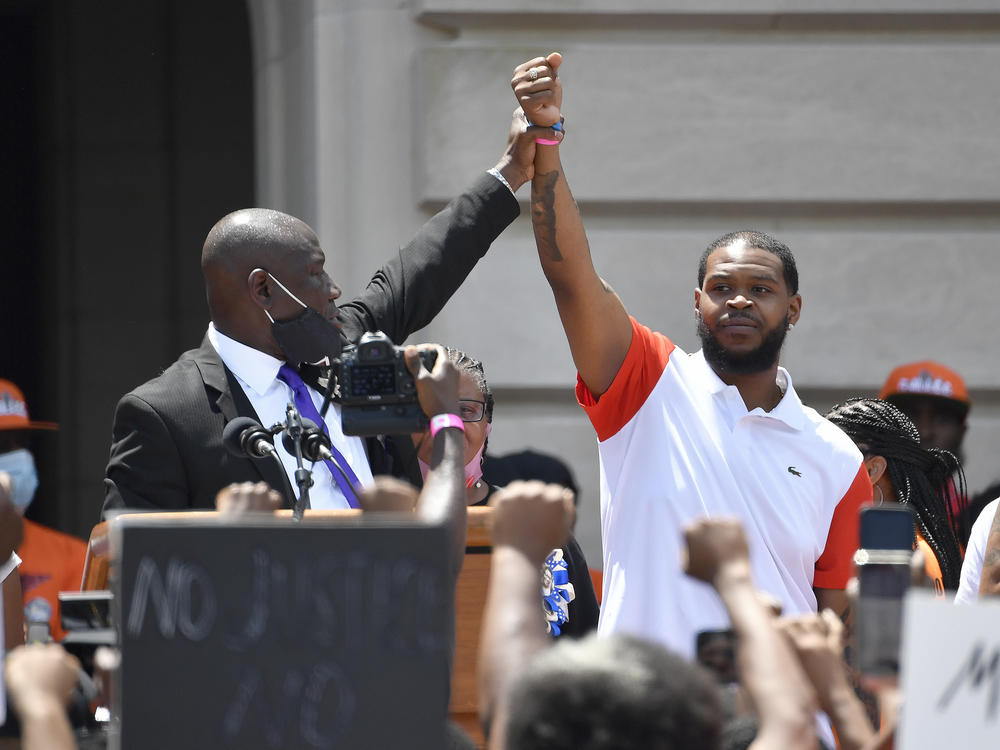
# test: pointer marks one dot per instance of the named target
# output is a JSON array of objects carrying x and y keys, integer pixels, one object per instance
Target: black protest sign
[{"x": 269, "y": 634}]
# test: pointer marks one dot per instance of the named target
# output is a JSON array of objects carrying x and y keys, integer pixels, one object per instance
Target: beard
[{"x": 762, "y": 358}]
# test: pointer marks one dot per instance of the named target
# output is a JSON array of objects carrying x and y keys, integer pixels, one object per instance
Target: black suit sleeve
[
  {"x": 143, "y": 450},
  {"x": 412, "y": 287}
]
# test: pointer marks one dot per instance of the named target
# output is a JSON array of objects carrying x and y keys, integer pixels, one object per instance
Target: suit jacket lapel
[{"x": 232, "y": 402}]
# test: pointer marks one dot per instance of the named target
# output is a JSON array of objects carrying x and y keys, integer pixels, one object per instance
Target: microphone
[
  {"x": 314, "y": 442},
  {"x": 244, "y": 436}
]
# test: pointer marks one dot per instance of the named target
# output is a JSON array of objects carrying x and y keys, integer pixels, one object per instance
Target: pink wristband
[
  {"x": 549, "y": 141},
  {"x": 440, "y": 421}
]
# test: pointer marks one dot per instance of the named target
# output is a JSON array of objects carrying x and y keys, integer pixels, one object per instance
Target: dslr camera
[{"x": 375, "y": 390}]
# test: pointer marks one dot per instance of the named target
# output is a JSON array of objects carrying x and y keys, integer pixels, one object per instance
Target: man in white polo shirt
[{"x": 717, "y": 432}]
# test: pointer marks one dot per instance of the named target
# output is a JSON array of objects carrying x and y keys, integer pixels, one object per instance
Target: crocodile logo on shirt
[{"x": 793, "y": 470}]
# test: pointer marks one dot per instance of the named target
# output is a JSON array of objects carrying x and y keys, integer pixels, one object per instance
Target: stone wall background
[{"x": 861, "y": 132}]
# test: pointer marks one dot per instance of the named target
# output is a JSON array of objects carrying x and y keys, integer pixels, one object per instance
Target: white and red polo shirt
[{"x": 676, "y": 443}]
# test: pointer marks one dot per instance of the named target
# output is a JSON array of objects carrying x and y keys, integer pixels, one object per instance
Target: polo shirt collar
[
  {"x": 257, "y": 369},
  {"x": 789, "y": 410}
]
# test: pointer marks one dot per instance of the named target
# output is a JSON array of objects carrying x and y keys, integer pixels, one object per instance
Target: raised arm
[
  {"x": 989, "y": 577},
  {"x": 412, "y": 287},
  {"x": 594, "y": 318},
  {"x": 530, "y": 519},
  {"x": 818, "y": 642},
  {"x": 718, "y": 555},
  {"x": 40, "y": 679},
  {"x": 442, "y": 499}
]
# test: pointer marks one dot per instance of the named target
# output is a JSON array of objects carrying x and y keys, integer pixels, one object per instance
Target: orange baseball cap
[
  {"x": 14, "y": 410},
  {"x": 926, "y": 379}
]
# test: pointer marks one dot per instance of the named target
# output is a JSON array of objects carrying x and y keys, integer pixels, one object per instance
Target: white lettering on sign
[
  {"x": 185, "y": 601},
  {"x": 317, "y": 706}
]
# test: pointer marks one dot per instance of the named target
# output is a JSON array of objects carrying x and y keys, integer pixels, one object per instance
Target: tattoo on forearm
[
  {"x": 992, "y": 556},
  {"x": 544, "y": 216},
  {"x": 845, "y": 617}
]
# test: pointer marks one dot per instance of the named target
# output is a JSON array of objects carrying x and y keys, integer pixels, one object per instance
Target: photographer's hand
[
  {"x": 437, "y": 388},
  {"x": 442, "y": 500}
]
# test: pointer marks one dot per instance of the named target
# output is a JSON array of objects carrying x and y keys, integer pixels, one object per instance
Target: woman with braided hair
[
  {"x": 568, "y": 597},
  {"x": 901, "y": 470}
]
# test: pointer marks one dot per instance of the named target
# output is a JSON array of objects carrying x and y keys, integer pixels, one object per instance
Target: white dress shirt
[{"x": 257, "y": 374}]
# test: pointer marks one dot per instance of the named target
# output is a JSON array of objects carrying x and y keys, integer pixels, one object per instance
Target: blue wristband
[{"x": 557, "y": 126}]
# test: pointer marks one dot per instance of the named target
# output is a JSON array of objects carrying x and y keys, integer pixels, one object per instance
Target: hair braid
[
  {"x": 475, "y": 370},
  {"x": 922, "y": 478},
  {"x": 946, "y": 471}
]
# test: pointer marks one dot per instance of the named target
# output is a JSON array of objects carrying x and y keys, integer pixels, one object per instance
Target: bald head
[
  {"x": 242, "y": 241},
  {"x": 259, "y": 238},
  {"x": 251, "y": 238}
]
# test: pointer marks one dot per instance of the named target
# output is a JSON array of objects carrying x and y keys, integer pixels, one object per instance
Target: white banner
[{"x": 950, "y": 674}]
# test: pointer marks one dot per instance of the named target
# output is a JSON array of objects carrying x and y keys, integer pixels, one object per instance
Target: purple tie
[{"x": 306, "y": 407}]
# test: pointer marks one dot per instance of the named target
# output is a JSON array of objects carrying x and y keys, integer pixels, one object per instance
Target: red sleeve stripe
[
  {"x": 836, "y": 565},
  {"x": 640, "y": 372}
]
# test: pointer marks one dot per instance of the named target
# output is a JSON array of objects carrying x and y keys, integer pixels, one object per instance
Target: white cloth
[
  {"x": 503, "y": 181},
  {"x": 257, "y": 374},
  {"x": 676, "y": 444},
  {"x": 5, "y": 570},
  {"x": 972, "y": 566}
]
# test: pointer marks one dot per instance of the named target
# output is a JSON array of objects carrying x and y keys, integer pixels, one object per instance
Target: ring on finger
[{"x": 533, "y": 74}]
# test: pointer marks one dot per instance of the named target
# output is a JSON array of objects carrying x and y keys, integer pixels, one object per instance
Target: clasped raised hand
[{"x": 538, "y": 89}]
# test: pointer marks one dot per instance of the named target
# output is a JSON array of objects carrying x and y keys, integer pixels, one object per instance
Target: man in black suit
[{"x": 266, "y": 283}]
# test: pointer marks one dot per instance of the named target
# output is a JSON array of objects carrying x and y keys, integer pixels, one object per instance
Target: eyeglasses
[{"x": 471, "y": 410}]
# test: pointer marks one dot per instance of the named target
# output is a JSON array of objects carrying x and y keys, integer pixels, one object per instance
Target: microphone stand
[
  {"x": 316, "y": 447},
  {"x": 244, "y": 437},
  {"x": 286, "y": 486},
  {"x": 303, "y": 476}
]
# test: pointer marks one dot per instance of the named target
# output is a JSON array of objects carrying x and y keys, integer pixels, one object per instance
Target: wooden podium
[{"x": 470, "y": 598}]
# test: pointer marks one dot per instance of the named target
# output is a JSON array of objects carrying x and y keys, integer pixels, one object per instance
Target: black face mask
[{"x": 309, "y": 338}]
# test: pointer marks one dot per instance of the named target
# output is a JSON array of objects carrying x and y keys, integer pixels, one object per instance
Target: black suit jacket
[{"x": 166, "y": 450}]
